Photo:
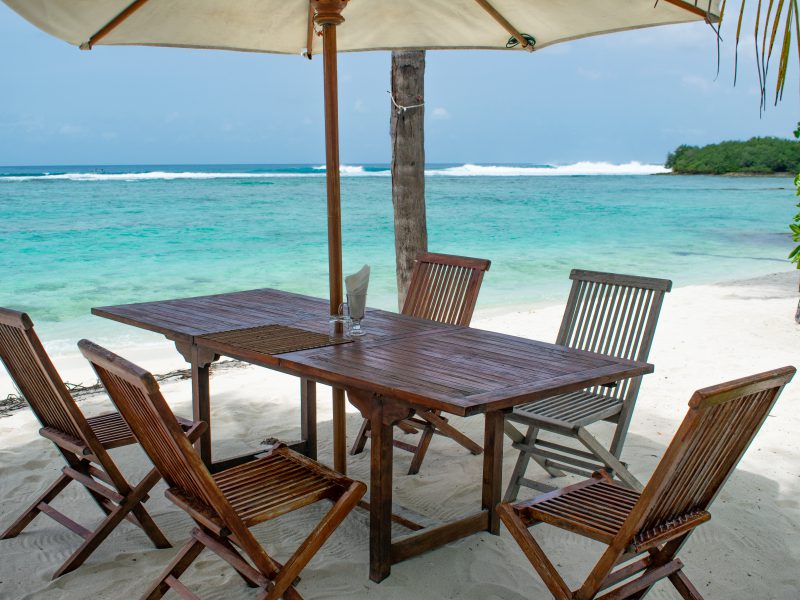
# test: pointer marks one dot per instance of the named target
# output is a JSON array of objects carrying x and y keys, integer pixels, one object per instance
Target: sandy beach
[{"x": 707, "y": 334}]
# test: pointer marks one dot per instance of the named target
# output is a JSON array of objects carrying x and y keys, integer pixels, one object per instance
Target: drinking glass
[
  {"x": 356, "y": 306},
  {"x": 340, "y": 325}
]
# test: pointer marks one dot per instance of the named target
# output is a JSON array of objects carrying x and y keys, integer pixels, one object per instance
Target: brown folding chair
[
  {"x": 655, "y": 523},
  {"x": 84, "y": 444},
  {"x": 224, "y": 506},
  {"x": 607, "y": 313},
  {"x": 443, "y": 288}
]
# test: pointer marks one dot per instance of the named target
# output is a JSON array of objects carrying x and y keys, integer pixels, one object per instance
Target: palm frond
[
  {"x": 776, "y": 23},
  {"x": 783, "y": 63}
]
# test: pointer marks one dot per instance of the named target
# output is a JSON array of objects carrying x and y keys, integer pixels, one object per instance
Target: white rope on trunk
[{"x": 399, "y": 107}]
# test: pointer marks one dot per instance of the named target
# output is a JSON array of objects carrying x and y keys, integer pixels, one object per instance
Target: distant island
[{"x": 756, "y": 156}]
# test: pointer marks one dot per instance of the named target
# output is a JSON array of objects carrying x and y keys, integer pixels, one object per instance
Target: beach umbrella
[{"x": 311, "y": 26}]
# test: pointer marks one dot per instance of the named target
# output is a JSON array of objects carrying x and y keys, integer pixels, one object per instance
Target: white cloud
[
  {"x": 33, "y": 124},
  {"x": 360, "y": 107},
  {"x": 699, "y": 83},
  {"x": 685, "y": 132},
  {"x": 440, "y": 113},
  {"x": 26, "y": 123},
  {"x": 556, "y": 49},
  {"x": 753, "y": 91},
  {"x": 688, "y": 35},
  {"x": 69, "y": 129},
  {"x": 589, "y": 74}
]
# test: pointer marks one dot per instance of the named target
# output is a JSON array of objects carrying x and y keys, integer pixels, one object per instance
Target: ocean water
[{"x": 83, "y": 236}]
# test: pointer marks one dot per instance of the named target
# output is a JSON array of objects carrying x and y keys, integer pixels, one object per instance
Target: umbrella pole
[{"x": 328, "y": 17}]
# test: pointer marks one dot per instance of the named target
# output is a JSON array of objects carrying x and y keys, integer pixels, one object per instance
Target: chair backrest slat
[
  {"x": 36, "y": 378},
  {"x": 720, "y": 425},
  {"x": 612, "y": 314},
  {"x": 445, "y": 288}
]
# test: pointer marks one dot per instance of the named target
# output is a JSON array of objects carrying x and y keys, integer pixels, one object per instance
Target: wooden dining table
[{"x": 402, "y": 365}]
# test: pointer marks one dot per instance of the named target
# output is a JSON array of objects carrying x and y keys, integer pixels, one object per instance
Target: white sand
[{"x": 707, "y": 334}]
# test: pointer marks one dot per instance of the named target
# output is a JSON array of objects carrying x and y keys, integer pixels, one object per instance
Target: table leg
[
  {"x": 339, "y": 432},
  {"x": 201, "y": 401},
  {"x": 493, "y": 467},
  {"x": 380, "y": 497},
  {"x": 308, "y": 416},
  {"x": 383, "y": 413}
]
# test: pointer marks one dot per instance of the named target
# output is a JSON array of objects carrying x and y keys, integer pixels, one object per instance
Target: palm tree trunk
[{"x": 408, "y": 163}]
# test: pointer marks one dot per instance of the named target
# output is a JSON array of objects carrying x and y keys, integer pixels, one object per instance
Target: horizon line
[{"x": 320, "y": 164}]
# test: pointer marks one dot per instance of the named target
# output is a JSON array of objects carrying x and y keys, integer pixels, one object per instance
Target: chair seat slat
[
  {"x": 573, "y": 409},
  {"x": 111, "y": 430},
  {"x": 598, "y": 509}
]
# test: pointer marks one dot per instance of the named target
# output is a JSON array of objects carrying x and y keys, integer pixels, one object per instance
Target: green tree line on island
[{"x": 758, "y": 155}]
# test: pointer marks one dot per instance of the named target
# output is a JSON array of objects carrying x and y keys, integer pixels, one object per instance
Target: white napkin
[{"x": 356, "y": 286}]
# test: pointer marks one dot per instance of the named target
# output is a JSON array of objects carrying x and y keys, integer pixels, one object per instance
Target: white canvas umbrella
[
  {"x": 285, "y": 26},
  {"x": 291, "y": 27}
]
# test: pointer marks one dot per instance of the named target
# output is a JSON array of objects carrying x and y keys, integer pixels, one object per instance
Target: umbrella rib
[
  {"x": 113, "y": 24},
  {"x": 495, "y": 14},
  {"x": 310, "y": 31},
  {"x": 694, "y": 8}
]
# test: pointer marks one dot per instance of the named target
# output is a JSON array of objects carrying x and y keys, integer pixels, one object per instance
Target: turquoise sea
[{"x": 81, "y": 236}]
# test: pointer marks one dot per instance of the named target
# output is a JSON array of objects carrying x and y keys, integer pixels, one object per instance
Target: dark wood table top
[{"x": 460, "y": 370}]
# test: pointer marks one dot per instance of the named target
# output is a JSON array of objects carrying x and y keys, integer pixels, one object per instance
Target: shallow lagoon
[{"x": 78, "y": 237}]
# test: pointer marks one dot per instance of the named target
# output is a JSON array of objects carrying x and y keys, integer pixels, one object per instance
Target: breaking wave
[
  {"x": 465, "y": 170},
  {"x": 579, "y": 168},
  {"x": 148, "y": 176},
  {"x": 355, "y": 170}
]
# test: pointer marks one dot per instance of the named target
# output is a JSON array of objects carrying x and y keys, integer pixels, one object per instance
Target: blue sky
[{"x": 622, "y": 97}]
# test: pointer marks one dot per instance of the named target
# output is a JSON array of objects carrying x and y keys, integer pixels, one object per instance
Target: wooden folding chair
[
  {"x": 656, "y": 522},
  {"x": 84, "y": 444},
  {"x": 606, "y": 313},
  {"x": 224, "y": 506},
  {"x": 443, "y": 288}
]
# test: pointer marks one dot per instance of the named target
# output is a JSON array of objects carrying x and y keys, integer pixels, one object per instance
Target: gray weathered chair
[
  {"x": 606, "y": 313},
  {"x": 644, "y": 532},
  {"x": 443, "y": 288},
  {"x": 83, "y": 443}
]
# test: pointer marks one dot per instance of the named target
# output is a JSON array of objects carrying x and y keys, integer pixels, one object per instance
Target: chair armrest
[
  {"x": 603, "y": 474},
  {"x": 185, "y": 423},
  {"x": 192, "y": 429},
  {"x": 67, "y": 442}
]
